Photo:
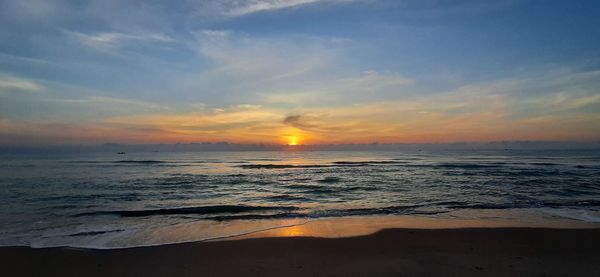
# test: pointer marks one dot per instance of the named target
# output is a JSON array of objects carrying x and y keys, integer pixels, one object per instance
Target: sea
[{"x": 111, "y": 200}]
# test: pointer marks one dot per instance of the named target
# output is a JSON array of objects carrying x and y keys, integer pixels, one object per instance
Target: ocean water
[{"x": 110, "y": 200}]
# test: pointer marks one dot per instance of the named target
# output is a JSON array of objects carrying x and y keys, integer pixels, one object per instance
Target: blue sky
[{"x": 321, "y": 71}]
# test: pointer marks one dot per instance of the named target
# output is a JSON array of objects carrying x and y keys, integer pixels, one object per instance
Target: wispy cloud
[
  {"x": 9, "y": 82},
  {"x": 107, "y": 41},
  {"x": 103, "y": 101},
  {"x": 300, "y": 122},
  {"x": 240, "y": 54},
  {"x": 347, "y": 89},
  {"x": 237, "y": 8},
  {"x": 243, "y": 66},
  {"x": 298, "y": 71},
  {"x": 253, "y": 6},
  {"x": 454, "y": 116}
]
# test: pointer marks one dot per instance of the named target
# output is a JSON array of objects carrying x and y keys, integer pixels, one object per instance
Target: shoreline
[
  {"x": 327, "y": 227},
  {"x": 491, "y": 251},
  {"x": 352, "y": 226}
]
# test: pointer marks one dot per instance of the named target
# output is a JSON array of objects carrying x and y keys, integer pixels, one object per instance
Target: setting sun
[{"x": 292, "y": 140}]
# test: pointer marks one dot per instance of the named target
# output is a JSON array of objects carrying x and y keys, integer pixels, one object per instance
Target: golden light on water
[{"x": 294, "y": 231}]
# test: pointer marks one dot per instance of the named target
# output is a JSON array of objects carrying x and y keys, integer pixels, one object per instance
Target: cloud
[
  {"x": 69, "y": 103},
  {"x": 254, "y": 6},
  {"x": 240, "y": 123},
  {"x": 296, "y": 70},
  {"x": 461, "y": 115},
  {"x": 353, "y": 88},
  {"x": 236, "y": 66},
  {"x": 299, "y": 122},
  {"x": 107, "y": 41},
  {"x": 291, "y": 120},
  {"x": 8, "y": 82},
  {"x": 237, "y": 8},
  {"x": 103, "y": 101},
  {"x": 542, "y": 92},
  {"x": 243, "y": 55},
  {"x": 372, "y": 81}
]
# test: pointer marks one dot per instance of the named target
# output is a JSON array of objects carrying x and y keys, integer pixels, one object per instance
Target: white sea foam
[{"x": 582, "y": 215}]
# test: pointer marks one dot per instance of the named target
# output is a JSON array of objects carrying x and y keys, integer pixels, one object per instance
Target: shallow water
[{"x": 106, "y": 200}]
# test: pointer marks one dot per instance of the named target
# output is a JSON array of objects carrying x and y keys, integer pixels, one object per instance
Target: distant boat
[{"x": 121, "y": 153}]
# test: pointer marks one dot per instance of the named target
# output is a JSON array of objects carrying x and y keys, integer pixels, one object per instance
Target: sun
[
  {"x": 293, "y": 137},
  {"x": 292, "y": 140}
]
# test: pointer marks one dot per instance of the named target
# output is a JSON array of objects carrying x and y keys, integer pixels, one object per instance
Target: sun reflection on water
[{"x": 293, "y": 231}]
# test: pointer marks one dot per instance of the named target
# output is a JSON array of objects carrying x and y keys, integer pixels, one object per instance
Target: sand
[{"x": 391, "y": 252}]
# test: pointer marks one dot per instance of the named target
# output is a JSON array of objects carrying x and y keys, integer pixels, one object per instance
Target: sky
[{"x": 298, "y": 71}]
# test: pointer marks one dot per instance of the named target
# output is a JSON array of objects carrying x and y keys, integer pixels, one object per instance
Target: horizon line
[{"x": 298, "y": 146}]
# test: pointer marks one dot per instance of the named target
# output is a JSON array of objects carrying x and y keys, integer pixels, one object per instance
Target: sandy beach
[{"x": 390, "y": 252}]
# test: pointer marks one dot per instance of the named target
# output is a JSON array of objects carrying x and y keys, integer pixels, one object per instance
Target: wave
[
  {"x": 596, "y": 167},
  {"x": 287, "y": 197},
  {"x": 242, "y": 212},
  {"x": 304, "y": 187},
  {"x": 516, "y": 205},
  {"x": 333, "y": 164},
  {"x": 580, "y": 203},
  {"x": 466, "y": 165},
  {"x": 542, "y": 164},
  {"x": 330, "y": 180},
  {"x": 487, "y": 206},
  {"x": 141, "y": 162},
  {"x": 256, "y": 216},
  {"x": 323, "y": 190},
  {"x": 120, "y": 162},
  {"x": 234, "y": 212},
  {"x": 202, "y": 210},
  {"x": 94, "y": 233},
  {"x": 280, "y": 166},
  {"x": 582, "y": 215},
  {"x": 399, "y": 210},
  {"x": 368, "y": 162},
  {"x": 402, "y": 209}
]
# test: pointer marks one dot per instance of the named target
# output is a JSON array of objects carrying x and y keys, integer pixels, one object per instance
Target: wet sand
[{"x": 391, "y": 252}]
